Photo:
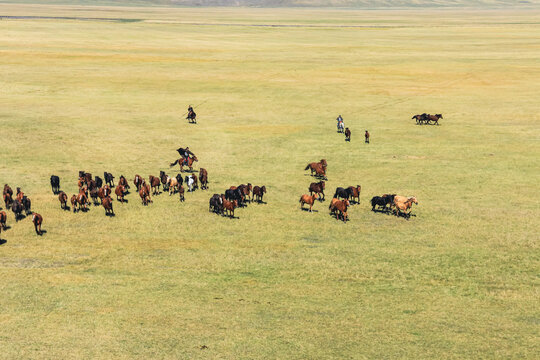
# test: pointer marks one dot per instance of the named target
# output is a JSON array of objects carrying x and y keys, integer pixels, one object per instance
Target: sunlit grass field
[{"x": 171, "y": 280}]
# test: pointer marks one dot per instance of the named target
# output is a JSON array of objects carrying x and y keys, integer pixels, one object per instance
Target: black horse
[
  {"x": 55, "y": 184},
  {"x": 235, "y": 194},
  {"x": 17, "y": 209},
  {"x": 109, "y": 178},
  {"x": 342, "y": 193},
  {"x": 216, "y": 204},
  {"x": 382, "y": 201}
]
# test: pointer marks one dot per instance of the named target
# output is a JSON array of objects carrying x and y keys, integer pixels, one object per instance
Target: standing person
[{"x": 367, "y": 137}]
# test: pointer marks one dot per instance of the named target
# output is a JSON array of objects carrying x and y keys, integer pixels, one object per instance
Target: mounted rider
[
  {"x": 339, "y": 120},
  {"x": 185, "y": 154},
  {"x": 191, "y": 114}
]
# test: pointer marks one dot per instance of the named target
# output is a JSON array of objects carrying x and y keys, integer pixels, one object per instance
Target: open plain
[{"x": 459, "y": 279}]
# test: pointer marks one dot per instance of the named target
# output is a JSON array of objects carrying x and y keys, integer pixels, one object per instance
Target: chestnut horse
[
  {"x": 403, "y": 206},
  {"x": 312, "y": 166},
  {"x": 74, "y": 202},
  {"x": 341, "y": 206},
  {"x": 189, "y": 164},
  {"x": 354, "y": 193},
  {"x": 138, "y": 181},
  {"x": 307, "y": 199},
  {"x": 82, "y": 199},
  {"x": 37, "y": 220},
  {"x": 7, "y": 195},
  {"x": 107, "y": 204},
  {"x": 229, "y": 206},
  {"x": 120, "y": 192},
  {"x": 435, "y": 118}
]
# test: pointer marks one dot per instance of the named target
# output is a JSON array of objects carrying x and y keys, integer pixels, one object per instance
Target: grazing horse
[
  {"x": 354, "y": 192},
  {"x": 17, "y": 209},
  {"x": 62, "y": 197},
  {"x": 307, "y": 199},
  {"x": 122, "y": 181},
  {"x": 109, "y": 178},
  {"x": 341, "y": 206},
  {"x": 164, "y": 177},
  {"x": 155, "y": 183},
  {"x": 82, "y": 199},
  {"x": 317, "y": 188},
  {"x": 120, "y": 192},
  {"x": 258, "y": 193},
  {"x": 138, "y": 181},
  {"x": 216, "y": 204},
  {"x": 172, "y": 185},
  {"x": 107, "y": 204},
  {"x": 435, "y": 118},
  {"x": 27, "y": 204},
  {"x": 341, "y": 193},
  {"x": 347, "y": 134},
  {"x": 55, "y": 184},
  {"x": 37, "y": 220},
  {"x": 229, "y": 206},
  {"x": 312, "y": 166},
  {"x": 3, "y": 218},
  {"x": 403, "y": 206},
  {"x": 74, "y": 202},
  {"x": 203, "y": 178}
]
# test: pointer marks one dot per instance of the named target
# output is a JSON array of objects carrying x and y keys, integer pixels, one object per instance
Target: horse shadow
[
  {"x": 260, "y": 202},
  {"x": 3, "y": 241},
  {"x": 43, "y": 231},
  {"x": 306, "y": 209},
  {"x": 20, "y": 217},
  {"x": 6, "y": 228},
  {"x": 66, "y": 208},
  {"x": 110, "y": 214}
]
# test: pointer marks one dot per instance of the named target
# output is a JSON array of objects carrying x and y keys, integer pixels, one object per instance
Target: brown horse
[
  {"x": 7, "y": 190},
  {"x": 307, "y": 199},
  {"x": 87, "y": 178},
  {"x": 122, "y": 181},
  {"x": 229, "y": 206},
  {"x": 347, "y": 134},
  {"x": 188, "y": 162},
  {"x": 103, "y": 192},
  {"x": 354, "y": 192},
  {"x": 107, "y": 204},
  {"x": 82, "y": 199},
  {"x": 317, "y": 188},
  {"x": 80, "y": 182},
  {"x": 120, "y": 192},
  {"x": 258, "y": 193},
  {"x": 62, "y": 197},
  {"x": 320, "y": 172},
  {"x": 155, "y": 183},
  {"x": 20, "y": 195},
  {"x": 203, "y": 178},
  {"x": 37, "y": 220},
  {"x": 246, "y": 190},
  {"x": 420, "y": 118},
  {"x": 143, "y": 193},
  {"x": 7, "y": 200},
  {"x": 137, "y": 181},
  {"x": 435, "y": 118},
  {"x": 172, "y": 185},
  {"x": 74, "y": 202},
  {"x": 181, "y": 192},
  {"x": 341, "y": 206},
  {"x": 3, "y": 218},
  {"x": 94, "y": 194},
  {"x": 312, "y": 166}
]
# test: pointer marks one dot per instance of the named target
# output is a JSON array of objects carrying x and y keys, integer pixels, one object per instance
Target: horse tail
[
  {"x": 174, "y": 163},
  {"x": 307, "y": 167}
]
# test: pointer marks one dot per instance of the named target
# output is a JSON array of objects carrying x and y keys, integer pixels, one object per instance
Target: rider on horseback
[
  {"x": 339, "y": 120},
  {"x": 191, "y": 114},
  {"x": 185, "y": 153}
]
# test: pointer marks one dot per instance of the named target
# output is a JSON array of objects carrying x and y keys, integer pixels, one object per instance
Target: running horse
[
  {"x": 185, "y": 162},
  {"x": 314, "y": 165},
  {"x": 191, "y": 116},
  {"x": 203, "y": 178},
  {"x": 435, "y": 118}
]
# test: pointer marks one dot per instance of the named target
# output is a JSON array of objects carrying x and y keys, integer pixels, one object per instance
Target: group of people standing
[{"x": 341, "y": 128}]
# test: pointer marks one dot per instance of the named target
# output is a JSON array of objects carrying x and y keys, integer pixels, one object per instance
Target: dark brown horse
[
  {"x": 317, "y": 188},
  {"x": 435, "y": 118},
  {"x": 3, "y": 218},
  {"x": 155, "y": 183},
  {"x": 37, "y": 220},
  {"x": 347, "y": 134},
  {"x": 120, "y": 192},
  {"x": 314, "y": 165},
  {"x": 20, "y": 195},
  {"x": 203, "y": 178},
  {"x": 94, "y": 194},
  {"x": 122, "y": 181},
  {"x": 87, "y": 178},
  {"x": 258, "y": 193},
  {"x": 420, "y": 118},
  {"x": 181, "y": 192},
  {"x": 82, "y": 199},
  {"x": 246, "y": 190},
  {"x": 163, "y": 177},
  {"x": 7, "y": 194},
  {"x": 354, "y": 193},
  {"x": 107, "y": 204}
]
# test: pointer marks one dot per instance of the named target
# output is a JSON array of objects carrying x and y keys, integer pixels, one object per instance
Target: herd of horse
[
  {"x": 344, "y": 197},
  {"x": 427, "y": 119}
]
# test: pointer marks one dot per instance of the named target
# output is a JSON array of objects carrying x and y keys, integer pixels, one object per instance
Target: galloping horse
[
  {"x": 341, "y": 206},
  {"x": 155, "y": 182},
  {"x": 74, "y": 202},
  {"x": 317, "y": 188},
  {"x": 354, "y": 192},
  {"x": 119, "y": 191},
  {"x": 258, "y": 193},
  {"x": 340, "y": 127},
  {"x": 435, "y": 118},
  {"x": 138, "y": 181},
  {"x": 37, "y": 220},
  {"x": 189, "y": 162},
  {"x": 7, "y": 195},
  {"x": 203, "y": 178},
  {"x": 107, "y": 204},
  {"x": 122, "y": 181},
  {"x": 3, "y": 218},
  {"x": 192, "y": 117},
  {"x": 312, "y": 166},
  {"x": 164, "y": 177},
  {"x": 347, "y": 134},
  {"x": 172, "y": 185},
  {"x": 420, "y": 118}
]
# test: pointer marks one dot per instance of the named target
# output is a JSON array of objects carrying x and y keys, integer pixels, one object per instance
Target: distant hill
[{"x": 295, "y": 3}]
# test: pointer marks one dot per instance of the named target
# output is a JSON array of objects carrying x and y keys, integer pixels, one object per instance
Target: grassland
[{"x": 458, "y": 280}]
